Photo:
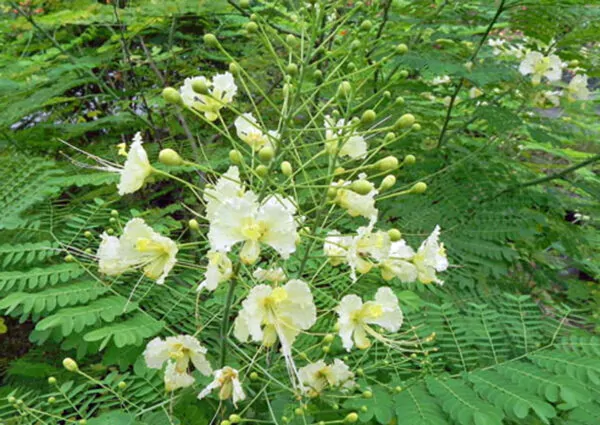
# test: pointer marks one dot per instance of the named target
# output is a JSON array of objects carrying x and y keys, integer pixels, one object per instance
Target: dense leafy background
[{"x": 517, "y": 318}]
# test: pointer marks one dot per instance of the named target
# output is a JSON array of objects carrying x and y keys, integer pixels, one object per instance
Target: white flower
[
  {"x": 538, "y": 65},
  {"x": 475, "y": 92},
  {"x": 269, "y": 314},
  {"x": 319, "y": 375},
  {"x": 178, "y": 352},
  {"x": 249, "y": 132},
  {"x": 136, "y": 169},
  {"x": 219, "y": 269},
  {"x": 430, "y": 257},
  {"x": 221, "y": 91},
  {"x": 138, "y": 247},
  {"x": 228, "y": 187},
  {"x": 397, "y": 263},
  {"x": 336, "y": 247},
  {"x": 271, "y": 275},
  {"x": 577, "y": 89},
  {"x": 552, "y": 97},
  {"x": 437, "y": 81},
  {"x": 227, "y": 379},
  {"x": 243, "y": 219},
  {"x": 355, "y": 317},
  {"x": 352, "y": 145},
  {"x": 356, "y": 204}
]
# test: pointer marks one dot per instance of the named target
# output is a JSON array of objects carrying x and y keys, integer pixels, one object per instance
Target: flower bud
[
  {"x": 253, "y": 17},
  {"x": 360, "y": 371},
  {"x": 394, "y": 235},
  {"x": 234, "y": 419},
  {"x": 193, "y": 224},
  {"x": 389, "y": 137},
  {"x": 11, "y": 400},
  {"x": 291, "y": 68},
  {"x": 114, "y": 213},
  {"x": 416, "y": 126},
  {"x": 251, "y": 27},
  {"x": 171, "y": 95},
  {"x": 245, "y": 3},
  {"x": 351, "y": 417},
  {"x": 344, "y": 89},
  {"x": 367, "y": 394},
  {"x": 298, "y": 411},
  {"x": 52, "y": 380},
  {"x": 388, "y": 163},
  {"x": 200, "y": 86},
  {"x": 409, "y": 160},
  {"x": 469, "y": 66},
  {"x": 262, "y": 170},
  {"x": 326, "y": 348},
  {"x": 51, "y": 400},
  {"x": 266, "y": 154},
  {"x": 387, "y": 182},
  {"x": 234, "y": 68},
  {"x": 211, "y": 40},
  {"x": 355, "y": 45},
  {"x": 225, "y": 422},
  {"x": 351, "y": 67},
  {"x": 328, "y": 338},
  {"x": 122, "y": 385},
  {"x": 364, "y": 408},
  {"x": 338, "y": 171},
  {"x": 88, "y": 234},
  {"x": 399, "y": 100},
  {"x": 573, "y": 63},
  {"x": 362, "y": 187},
  {"x": 82, "y": 422},
  {"x": 420, "y": 187},
  {"x": 368, "y": 116},
  {"x": 70, "y": 364},
  {"x": 403, "y": 73},
  {"x": 398, "y": 389},
  {"x": 366, "y": 25},
  {"x": 286, "y": 168},
  {"x": 401, "y": 48},
  {"x": 169, "y": 157},
  {"x": 69, "y": 258},
  {"x": 254, "y": 376},
  {"x": 332, "y": 192},
  {"x": 235, "y": 156},
  {"x": 110, "y": 231},
  {"x": 405, "y": 121},
  {"x": 318, "y": 75}
]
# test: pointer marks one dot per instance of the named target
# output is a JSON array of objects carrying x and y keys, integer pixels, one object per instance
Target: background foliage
[{"x": 516, "y": 321}]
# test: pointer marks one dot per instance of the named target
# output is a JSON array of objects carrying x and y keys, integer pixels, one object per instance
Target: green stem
[{"x": 225, "y": 322}]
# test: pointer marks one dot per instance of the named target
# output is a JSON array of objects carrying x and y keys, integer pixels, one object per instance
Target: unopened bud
[
  {"x": 70, "y": 364},
  {"x": 51, "y": 400},
  {"x": 409, "y": 160},
  {"x": 367, "y": 394},
  {"x": 110, "y": 231},
  {"x": 244, "y": 3},
  {"x": 351, "y": 417},
  {"x": 416, "y": 126},
  {"x": 390, "y": 137},
  {"x": 122, "y": 385},
  {"x": 398, "y": 389},
  {"x": 171, "y": 95},
  {"x": 291, "y": 40},
  {"x": 368, "y": 116},
  {"x": 254, "y": 376},
  {"x": 286, "y": 168},
  {"x": 235, "y": 156},
  {"x": 355, "y": 45},
  {"x": 199, "y": 86},
  {"x": 266, "y": 154},
  {"x": 211, "y": 40},
  {"x": 251, "y": 27},
  {"x": 318, "y": 75},
  {"x": 338, "y": 171},
  {"x": 360, "y": 371},
  {"x": 328, "y": 338},
  {"x": 169, "y": 157},
  {"x": 69, "y": 258},
  {"x": 362, "y": 187},
  {"x": 387, "y": 94},
  {"x": 262, "y": 170},
  {"x": 12, "y": 400},
  {"x": 225, "y": 422},
  {"x": 405, "y": 121},
  {"x": 387, "y": 183},
  {"x": 469, "y": 66},
  {"x": 344, "y": 89},
  {"x": 193, "y": 224},
  {"x": 88, "y": 234},
  {"x": 82, "y": 422},
  {"x": 326, "y": 348},
  {"x": 234, "y": 68},
  {"x": 52, "y": 380},
  {"x": 291, "y": 68},
  {"x": 388, "y": 163},
  {"x": 366, "y": 25},
  {"x": 399, "y": 100},
  {"x": 574, "y": 63},
  {"x": 401, "y": 48},
  {"x": 332, "y": 192},
  {"x": 234, "y": 419},
  {"x": 420, "y": 187},
  {"x": 394, "y": 235},
  {"x": 403, "y": 73}
]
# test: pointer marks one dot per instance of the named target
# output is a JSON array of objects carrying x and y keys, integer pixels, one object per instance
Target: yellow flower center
[
  {"x": 252, "y": 229},
  {"x": 542, "y": 66},
  {"x": 277, "y": 295},
  {"x": 367, "y": 312},
  {"x": 150, "y": 246}
]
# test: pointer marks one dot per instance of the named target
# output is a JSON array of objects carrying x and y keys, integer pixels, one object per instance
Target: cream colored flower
[
  {"x": 248, "y": 131},
  {"x": 356, "y": 318},
  {"x": 430, "y": 258},
  {"x": 137, "y": 168},
  {"x": 276, "y": 275},
  {"x": 227, "y": 379},
  {"x": 539, "y": 66},
  {"x": 475, "y": 92},
  {"x": 319, "y": 375},
  {"x": 398, "y": 263},
  {"x": 438, "y": 81},
  {"x": 178, "y": 352},
  {"x": 336, "y": 247},
  {"x": 352, "y": 145},
  {"x": 269, "y": 314},
  {"x": 219, "y": 269},
  {"x": 356, "y": 204},
  {"x": 221, "y": 91},
  {"x": 138, "y": 247},
  {"x": 577, "y": 89},
  {"x": 243, "y": 219},
  {"x": 228, "y": 186}
]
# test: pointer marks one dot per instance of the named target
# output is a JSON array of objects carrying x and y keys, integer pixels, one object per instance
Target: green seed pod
[
  {"x": 169, "y": 157},
  {"x": 171, "y": 95},
  {"x": 420, "y": 187},
  {"x": 211, "y": 40},
  {"x": 401, "y": 49},
  {"x": 394, "y": 235},
  {"x": 368, "y": 116},
  {"x": 405, "y": 121}
]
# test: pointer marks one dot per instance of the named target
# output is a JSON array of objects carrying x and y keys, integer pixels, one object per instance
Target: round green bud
[
  {"x": 366, "y": 25},
  {"x": 254, "y": 376},
  {"x": 321, "y": 423},
  {"x": 286, "y": 168},
  {"x": 328, "y": 338},
  {"x": 364, "y": 408},
  {"x": 360, "y": 371},
  {"x": 355, "y": 45},
  {"x": 387, "y": 94},
  {"x": 112, "y": 220},
  {"x": 122, "y": 385},
  {"x": 344, "y": 89},
  {"x": 367, "y": 394},
  {"x": 394, "y": 235},
  {"x": 399, "y": 100},
  {"x": 235, "y": 156},
  {"x": 362, "y": 187},
  {"x": 388, "y": 163},
  {"x": 351, "y": 67},
  {"x": 169, "y": 157},
  {"x": 266, "y": 154},
  {"x": 416, "y": 126},
  {"x": 285, "y": 419},
  {"x": 398, "y": 389},
  {"x": 388, "y": 182},
  {"x": 405, "y": 121},
  {"x": 114, "y": 213},
  {"x": 291, "y": 40},
  {"x": 318, "y": 74},
  {"x": 234, "y": 419},
  {"x": 262, "y": 170},
  {"x": 335, "y": 406},
  {"x": 291, "y": 68},
  {"x": 368, "y": 116},
  {"x": 82, "y": 422},
  {"x": 52, "y": 380},
  {"x": 69, "y": 258},
  {"x": 574, "y": 63},
  {"x": 70, "y": 364},
  {"x": 244, "y": 3},
  {"x": 51, "y": 400},
  {"x": 401, "y": 48},
  {"x": 110, "y": 231},
  {"x": 332, "y": 192},
  {"x": 193, "y": 224},
  {"x": 338, "y": 171},
  {"x": 253, "y": 17},
  {"x": 234, "y": 68},
  {"x": 225, "y": 422},
  {"x": 88, "y": 234},
  {"x": 251, "y": 27},
  {"x": 351, "y": 417},
  {"x": 12, "y": 400},
  {"x": 299, "y": 411},
  {"x": 468, "y": 66},
  {"x": 403, "y": 73},
  {"x": 211, "y": 40},
  {"x": 326, "y": 348},
  {"x": 409, "y": 160},
  {"x": 171, "y": 95},
  {"x": 420, "y": 187},
  {"x": 389, "y": 137},
  {"x": 199, "y": 86}
]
